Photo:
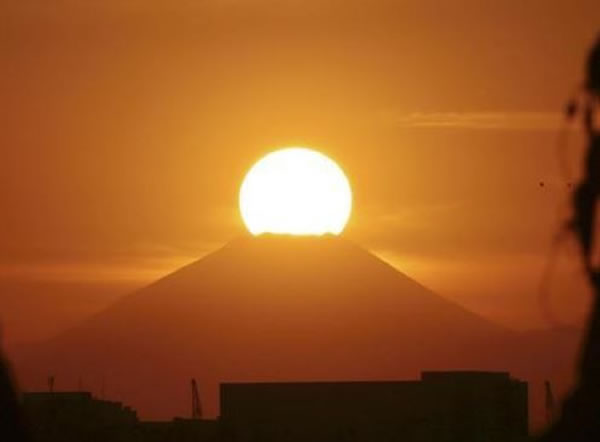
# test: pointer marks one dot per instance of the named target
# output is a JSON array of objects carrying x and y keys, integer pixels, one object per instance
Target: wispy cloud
[{"x": 477, "y": 120}]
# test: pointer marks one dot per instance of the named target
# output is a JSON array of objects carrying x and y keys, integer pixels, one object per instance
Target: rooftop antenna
[
  {"x": 51, "y": 383},
  {"x": 196, "y": 407}
]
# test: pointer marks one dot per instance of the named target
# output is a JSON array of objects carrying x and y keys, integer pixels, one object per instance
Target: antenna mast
[{"x": 196, "y": 408}]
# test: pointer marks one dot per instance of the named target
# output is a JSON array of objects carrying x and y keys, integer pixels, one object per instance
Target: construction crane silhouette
[
  {"x": 549, "y": 403},
  {"x": 196, "y": 407}
]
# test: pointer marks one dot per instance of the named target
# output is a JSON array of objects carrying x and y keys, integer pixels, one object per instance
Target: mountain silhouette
[{"x": 271, "y": 308}]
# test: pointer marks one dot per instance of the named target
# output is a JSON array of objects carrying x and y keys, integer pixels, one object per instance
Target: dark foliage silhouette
[
  {"x": 12, "y": 424},
  {"x": 580, "y": 419}
]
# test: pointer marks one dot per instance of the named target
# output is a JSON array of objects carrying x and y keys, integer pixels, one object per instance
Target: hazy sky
[{"x": 127, "y": 127}]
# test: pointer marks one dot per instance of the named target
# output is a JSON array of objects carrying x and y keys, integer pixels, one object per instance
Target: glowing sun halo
[{"x": 295, "y": 191}]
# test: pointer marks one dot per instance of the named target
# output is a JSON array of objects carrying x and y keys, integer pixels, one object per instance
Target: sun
[{"x": 295, "y": 191}]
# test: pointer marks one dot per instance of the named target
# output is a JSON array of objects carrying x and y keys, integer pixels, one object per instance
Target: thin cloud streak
[{"x": 545, "y": 121}]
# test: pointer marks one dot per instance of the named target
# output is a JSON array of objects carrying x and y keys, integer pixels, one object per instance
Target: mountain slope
[{"x": 268, "y": 308}]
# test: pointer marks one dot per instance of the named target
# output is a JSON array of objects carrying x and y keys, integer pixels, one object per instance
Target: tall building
[{"x": 440, "y": 407}]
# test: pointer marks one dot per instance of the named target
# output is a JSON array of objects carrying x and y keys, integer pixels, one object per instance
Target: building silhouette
[
  {"x": 461, "y": 406},
  {"x": 77, "y": 416},
  {"x": 181, "y": 430},
  {"x": 442, "y": 406}
]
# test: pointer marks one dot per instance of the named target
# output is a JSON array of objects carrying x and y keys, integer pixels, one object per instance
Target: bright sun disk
[{"x": 295, "y": 191}]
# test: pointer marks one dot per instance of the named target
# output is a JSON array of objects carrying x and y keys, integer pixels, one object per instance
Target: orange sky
[{"x": 127, "y": 127}]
